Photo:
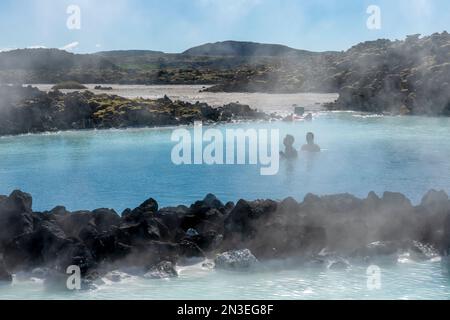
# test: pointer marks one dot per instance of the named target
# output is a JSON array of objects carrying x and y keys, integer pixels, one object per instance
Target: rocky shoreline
[
  {"x": 29, "y": 110},
  {"x": 408, "y": 77},
  {"x": 320, "y": 231}
]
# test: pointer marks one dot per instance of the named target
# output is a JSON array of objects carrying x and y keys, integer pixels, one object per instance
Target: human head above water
[
  {"x": 310, "y": 138},
  {"x": 289, "y": 141}
]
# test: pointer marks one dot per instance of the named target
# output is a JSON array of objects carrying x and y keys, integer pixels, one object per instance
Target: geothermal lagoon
[{"x": 119, "y": 168}]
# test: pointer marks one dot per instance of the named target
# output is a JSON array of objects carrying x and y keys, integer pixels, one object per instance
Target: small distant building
[{"x": 299, "y": 111}]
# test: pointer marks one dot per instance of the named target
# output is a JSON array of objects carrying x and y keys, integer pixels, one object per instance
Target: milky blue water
[
  {"x": 121, "y": 168},
  {"x": 406, "y": 280}
]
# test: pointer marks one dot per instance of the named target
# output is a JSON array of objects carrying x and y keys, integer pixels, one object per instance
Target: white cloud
[
  {"x": 421, "y": 7},
  {"x": 412, "y": 10},
  {"x": 229, "y": 11},
  {"x": 70, "y": 46}
]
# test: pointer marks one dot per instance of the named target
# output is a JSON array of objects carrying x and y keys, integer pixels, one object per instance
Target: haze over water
[{"x": 122, "y": 168}]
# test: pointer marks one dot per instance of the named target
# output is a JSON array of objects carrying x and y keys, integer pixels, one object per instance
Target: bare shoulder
[{"x": 311, "y": 148}]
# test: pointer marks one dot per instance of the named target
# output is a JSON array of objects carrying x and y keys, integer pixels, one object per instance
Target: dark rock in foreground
[
  {"x": 155, "y": 239},
  {"x": 236, "y": 260},
  {"x": 163, "y": 270},
  {"x": 5, "y": 276}
]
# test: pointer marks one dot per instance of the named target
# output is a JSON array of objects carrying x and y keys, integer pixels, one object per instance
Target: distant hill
[
  {"x": 52, "y": 66},
  {"x": 138, "y": 60},
  {"x": 51, "y": 59},
  {"x": 410, "y": 76},
  {"x": 143, "y": 66},
  {"x": 128, "y": 53},
  {"x": 244, "y": 49}
]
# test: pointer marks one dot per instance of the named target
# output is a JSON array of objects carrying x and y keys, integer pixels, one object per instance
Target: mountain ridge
[
  {"x": 410, "y": 76},
  {"x": 228, "y": 48},
  {"x": 244, "y": 48},
  {"x": 194, "y": 66}
]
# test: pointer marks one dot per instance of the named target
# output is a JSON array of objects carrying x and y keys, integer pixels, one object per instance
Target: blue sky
[{"x": 176, "y": 25}]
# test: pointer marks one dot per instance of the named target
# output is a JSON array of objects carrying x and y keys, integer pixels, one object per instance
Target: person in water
[
  {"x": 310, "y": 146},
  {"x": 289, "y": 152},
  {"x": 309, "y": 117}
]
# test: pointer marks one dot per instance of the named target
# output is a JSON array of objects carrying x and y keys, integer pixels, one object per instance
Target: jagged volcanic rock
[{"x": 154, "y": 238}]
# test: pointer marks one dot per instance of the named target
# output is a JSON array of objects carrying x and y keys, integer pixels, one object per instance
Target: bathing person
[
  {"x": 289, "y": 152},
  {"x": 289, "y": 118},
  {"x": 310, "y": 146},
  {"x": 309, "y": 117}
]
